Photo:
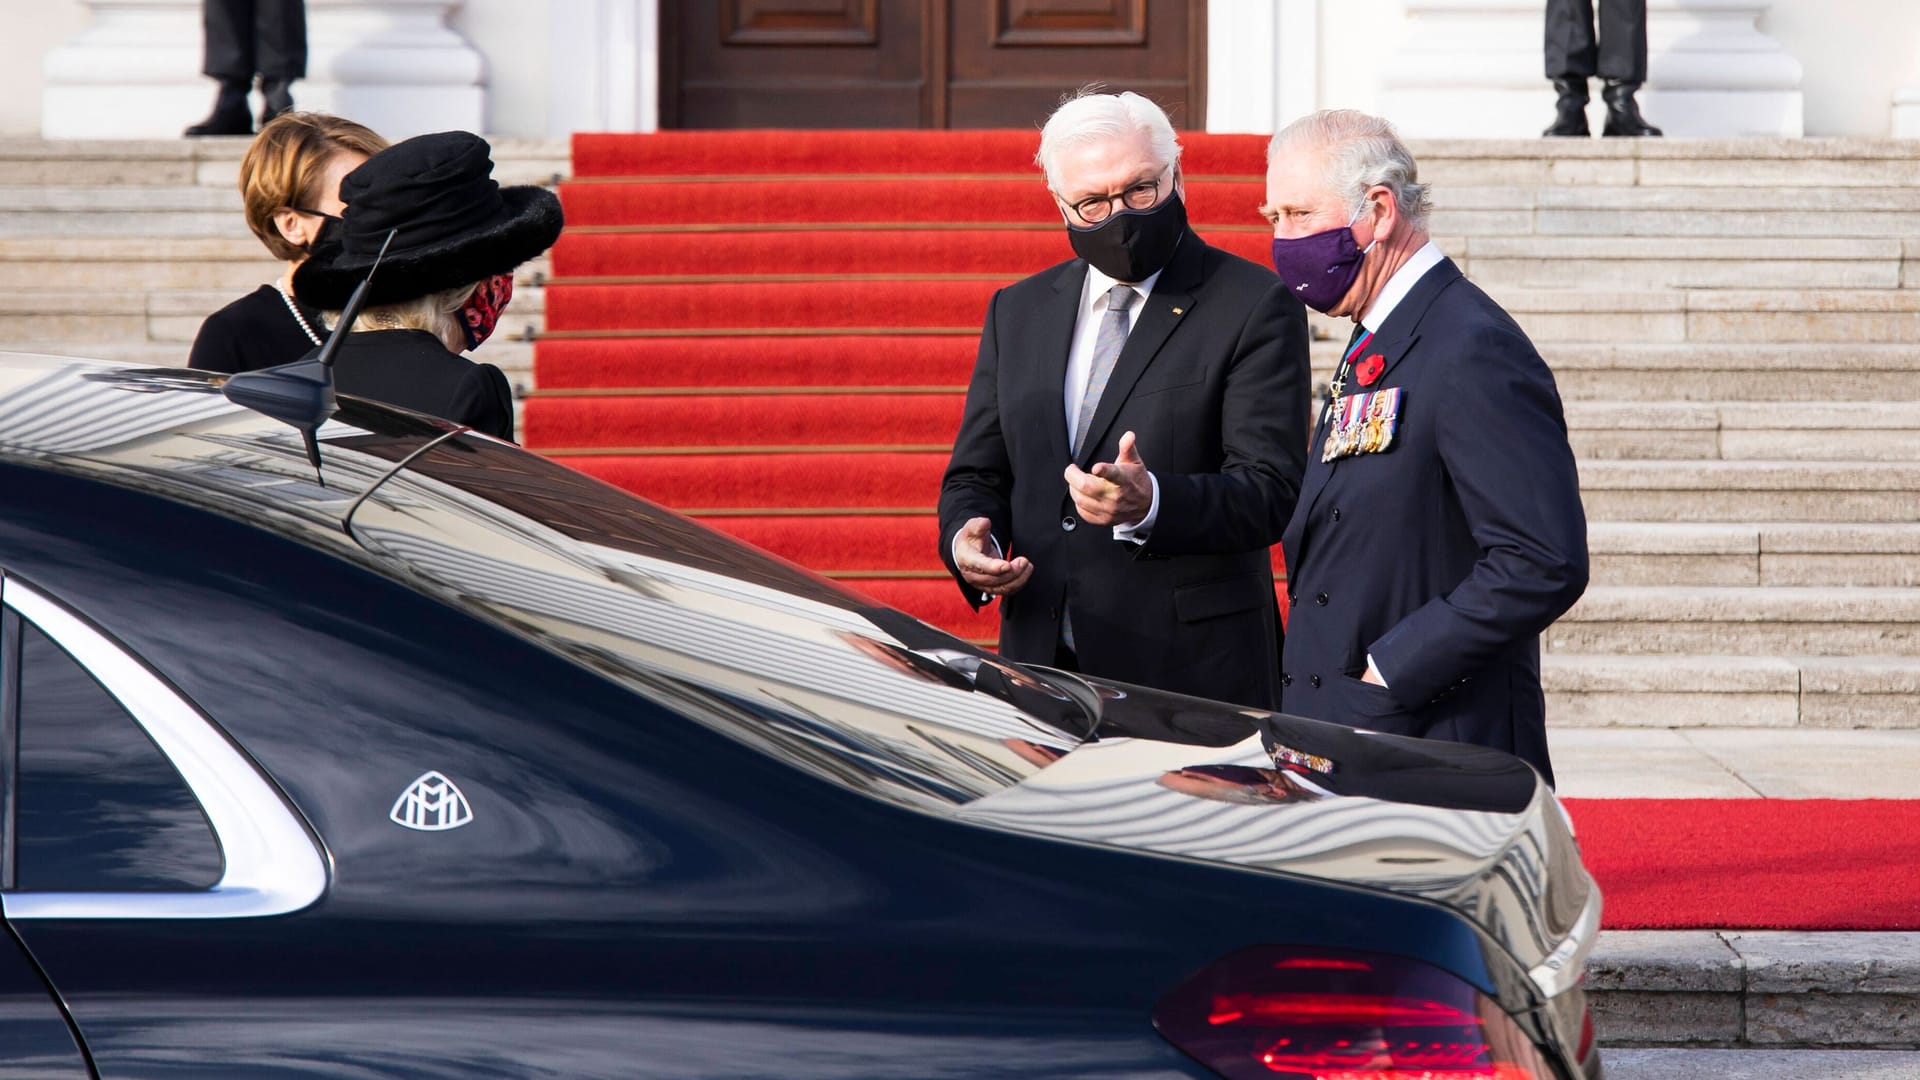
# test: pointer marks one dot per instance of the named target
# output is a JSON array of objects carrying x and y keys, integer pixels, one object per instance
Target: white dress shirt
[
  {"x": 1086, "y": 330},
  {"x": 1399, "y": 285}
]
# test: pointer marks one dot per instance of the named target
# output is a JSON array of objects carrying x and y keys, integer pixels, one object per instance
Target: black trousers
[
  {"x": 255, "y": 37},
  {"x": 1618, "y": 51}
]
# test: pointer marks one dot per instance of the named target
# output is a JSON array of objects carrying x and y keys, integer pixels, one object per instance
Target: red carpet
[
  {"x": 774, "y": 330},
  {"x": 1754, "y": 864},
  {"x": 749, "y": 153},
  {"x": 1008, "y": 253}
]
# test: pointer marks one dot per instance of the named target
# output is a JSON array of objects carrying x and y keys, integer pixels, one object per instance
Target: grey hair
[
  {"x": 1090, "y": 115},
  {"x": 436, "y": 313},
  {"x": 1363, "y": 152}
]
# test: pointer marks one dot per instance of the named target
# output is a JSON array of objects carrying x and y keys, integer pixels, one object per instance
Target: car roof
[{"x": 625, "y": 587}]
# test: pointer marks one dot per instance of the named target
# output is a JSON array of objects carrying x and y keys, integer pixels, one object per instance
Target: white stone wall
[
  {"x": 34, "y": 28},
  {"x": 1858, "y": 56}
]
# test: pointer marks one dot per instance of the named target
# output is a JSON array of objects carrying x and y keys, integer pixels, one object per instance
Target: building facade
[{"x": 1440, "y": 68}]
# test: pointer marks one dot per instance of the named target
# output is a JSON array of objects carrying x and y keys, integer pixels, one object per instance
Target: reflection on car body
[{"x": 727, "y": 819}]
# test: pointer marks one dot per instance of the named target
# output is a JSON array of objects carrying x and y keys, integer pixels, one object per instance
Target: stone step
[
  {"x": 1702, "y": 316},
  {"x": 1701, "y": 372},
  {"x": 216, "y": 162},
  {"x": 1669, "y": 620},
  {"x": 1752, "y": 988},
  {"x": 1627, "y": 262},
  {"x": 1643, "y": 553},
  {"x": 1816, "y": 431},
  {"x": 515, "y": 358},
  {"x": 1704, "y": 690},
  {"x": 198, "y": 264},
  {"x": 1751, "y": 491},
  {"x": 1723, "y": 372},
  {"x": 53, "y": 317}
]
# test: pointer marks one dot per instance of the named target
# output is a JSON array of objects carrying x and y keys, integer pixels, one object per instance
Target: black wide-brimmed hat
[{"x": 456, "y": 224}]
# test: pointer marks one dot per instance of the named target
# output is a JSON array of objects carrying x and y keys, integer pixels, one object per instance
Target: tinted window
[{"x": 100, "y": 809}]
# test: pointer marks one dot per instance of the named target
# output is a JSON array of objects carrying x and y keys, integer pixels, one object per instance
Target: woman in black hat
[{"x": 443, "y": 282}]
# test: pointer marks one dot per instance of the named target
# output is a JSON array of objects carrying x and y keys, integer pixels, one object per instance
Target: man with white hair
[
  {"x": 1440, "y": 529},
  {"x": 1134, "y": 431}
]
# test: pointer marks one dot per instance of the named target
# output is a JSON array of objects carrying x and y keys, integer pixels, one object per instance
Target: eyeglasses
[
  {"x": 310, "y": 212},
  {"x": 1095, "y": 209}
]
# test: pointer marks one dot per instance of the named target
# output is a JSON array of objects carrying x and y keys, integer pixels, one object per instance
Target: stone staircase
[
  {"x": 119, "y": 249},
  {"x": 1735, "y": 327}
]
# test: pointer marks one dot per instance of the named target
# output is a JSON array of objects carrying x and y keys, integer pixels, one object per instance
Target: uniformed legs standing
[
  {"x": 245, "y": 38},
  {"x": 1617, "y": 54}
]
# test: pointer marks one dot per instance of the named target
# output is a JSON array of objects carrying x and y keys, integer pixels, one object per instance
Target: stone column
[
  {"x": 603, "y": 66},
  {"x": 1473, "y": 69},
  {"x": 394, "y": 65}
]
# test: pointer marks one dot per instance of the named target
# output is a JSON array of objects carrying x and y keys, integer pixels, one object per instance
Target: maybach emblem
[{"x": 431, "y": 804}]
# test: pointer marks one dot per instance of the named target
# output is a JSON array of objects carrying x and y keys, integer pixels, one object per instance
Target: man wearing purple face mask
[
  {"x": 1134, "y": 431},
  {"x": 1439, "y": 529}
]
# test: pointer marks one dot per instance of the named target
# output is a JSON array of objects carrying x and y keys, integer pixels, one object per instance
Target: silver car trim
[
  {"x": 273, "y": 866},
  {"x": 1564, "y": 966}
]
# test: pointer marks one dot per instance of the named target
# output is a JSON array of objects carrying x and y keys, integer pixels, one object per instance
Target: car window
[{"x": 98, "y": 807}]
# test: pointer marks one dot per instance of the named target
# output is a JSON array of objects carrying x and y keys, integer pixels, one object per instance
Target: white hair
[
  {"x": 1089, "y": 115},
  {"x": 1363, "y": 152},
  {"x": 436, "y": 313}
]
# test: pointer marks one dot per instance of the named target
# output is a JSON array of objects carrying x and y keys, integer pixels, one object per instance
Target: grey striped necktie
[{"x": 1106, "y": 349}]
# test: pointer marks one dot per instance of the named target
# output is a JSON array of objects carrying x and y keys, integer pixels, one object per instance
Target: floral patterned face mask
[{"x": 482, "y": 310}]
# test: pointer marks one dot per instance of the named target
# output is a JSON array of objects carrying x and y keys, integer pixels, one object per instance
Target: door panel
[
  {"x": 792, "y": 63},
  {"x": 35, "y": 1041},
  {"x": 921, "y": 63},
  {"x": 1012, "y": 59}
]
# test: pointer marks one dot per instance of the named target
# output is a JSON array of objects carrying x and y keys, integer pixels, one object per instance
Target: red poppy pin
[{"x": 1370, "y": 369}]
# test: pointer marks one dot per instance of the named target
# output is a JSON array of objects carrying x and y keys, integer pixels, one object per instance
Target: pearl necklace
[{"x": 294, "y": 309}]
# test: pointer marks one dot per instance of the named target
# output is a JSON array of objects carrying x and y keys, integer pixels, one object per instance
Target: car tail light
[{"x": 1277, "y": 1013}]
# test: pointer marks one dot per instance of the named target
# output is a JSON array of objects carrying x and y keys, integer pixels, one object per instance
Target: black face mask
[{"x": 1132, "y": 245}]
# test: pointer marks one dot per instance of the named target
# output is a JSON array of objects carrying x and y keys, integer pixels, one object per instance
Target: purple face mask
[{"x": 1321, "y": 268}]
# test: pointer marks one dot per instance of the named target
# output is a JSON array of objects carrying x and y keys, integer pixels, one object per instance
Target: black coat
[
  {"x": 412, "y": 369},
  {"x": 256, "y": 331},
  {"x": 1213, "y": 382},
  {"x": 1447, "y": 554}
]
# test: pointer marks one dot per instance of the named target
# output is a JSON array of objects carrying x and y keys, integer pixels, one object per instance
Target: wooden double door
[{"x": 921, "y": 63}]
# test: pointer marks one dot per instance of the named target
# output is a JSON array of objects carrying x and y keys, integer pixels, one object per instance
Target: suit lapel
[
  {"x": 1394, "y": 341},
  {"x": 1052, "y": 340},
  {"x": 1402, "y": 328},
  {"x": 1172, "y": 301}
]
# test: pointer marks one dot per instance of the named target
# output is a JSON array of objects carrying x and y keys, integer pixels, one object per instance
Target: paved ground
[
  {"x": 1666, "y": 988},
  {"x": 1761, "y": 1065},
  {"x": 1735, "y": 763}
]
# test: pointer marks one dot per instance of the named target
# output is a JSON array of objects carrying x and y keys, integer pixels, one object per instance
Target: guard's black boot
[
  {"x": 230, "y": 115},
  {"x": 1570, "y": 115},
  {"x": 274, "y": 98},
  {"x": 1623, "y": 114}
]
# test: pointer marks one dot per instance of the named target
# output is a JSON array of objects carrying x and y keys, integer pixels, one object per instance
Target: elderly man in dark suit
[
  {"x": 1439, "y": 530},
  {"x": 1134, "y": 431}
]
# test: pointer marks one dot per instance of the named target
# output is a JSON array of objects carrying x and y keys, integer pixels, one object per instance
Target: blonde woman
[
  {"x": 457, "y": 237},
  {"x": 289, "y": 186}
]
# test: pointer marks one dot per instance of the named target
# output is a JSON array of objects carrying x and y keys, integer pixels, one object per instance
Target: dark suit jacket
[
  {"x": 1446, "y": 555},
  {"x": 412, "y": 369},
  {"x": 1213, "y": 382}
]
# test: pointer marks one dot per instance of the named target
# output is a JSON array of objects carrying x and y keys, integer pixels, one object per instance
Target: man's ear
[
  {"x": 292, "y": 226},
  {"x": 1385, "y": 211}
]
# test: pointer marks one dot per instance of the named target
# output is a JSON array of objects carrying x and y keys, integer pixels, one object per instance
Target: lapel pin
[{"x": 1179, "y": 311}]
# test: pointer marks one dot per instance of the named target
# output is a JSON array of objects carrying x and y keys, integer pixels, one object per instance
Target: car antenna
[{"x": 301, "y": 393}]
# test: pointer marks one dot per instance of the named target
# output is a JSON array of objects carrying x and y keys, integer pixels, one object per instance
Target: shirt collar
[
  {"x": 1098, "y": 284},
  {"x": 1399, "y": 285}
]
